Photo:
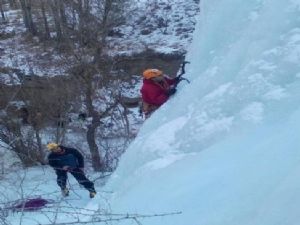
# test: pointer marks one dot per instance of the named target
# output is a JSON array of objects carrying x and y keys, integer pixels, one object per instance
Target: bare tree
[
  {"x": 86, "y": 74},
  {"x": 40, "y": 102},
  {"x": 93, "y": 29},
  {"x": 11, "y": 134},
  {"x": 45, "y": 19},
  {"x": 1, "y": 10},
  {"x": 13, "y": 4},
  {"x": 54, "y": 5},
  {"x": 26, "y": 6},
  {"x": 84, "y": 26}
]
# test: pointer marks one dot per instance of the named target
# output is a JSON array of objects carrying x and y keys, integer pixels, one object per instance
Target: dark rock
[{"x": 146, "y": 32}]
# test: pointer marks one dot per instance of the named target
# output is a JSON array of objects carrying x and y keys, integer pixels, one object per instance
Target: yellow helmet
[
  {"x": 52, "y": 146},
  {"x": 150, "y": 73}
]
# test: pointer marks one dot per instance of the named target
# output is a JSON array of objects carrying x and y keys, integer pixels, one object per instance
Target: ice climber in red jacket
[{"x": 156, "y": 90}]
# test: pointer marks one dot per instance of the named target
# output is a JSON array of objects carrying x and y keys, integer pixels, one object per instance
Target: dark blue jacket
[{"x": 71, "y": 157}]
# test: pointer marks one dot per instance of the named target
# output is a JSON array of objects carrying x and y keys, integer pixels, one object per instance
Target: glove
[
  {"x": 65, "y": 168},
  {"x": 171, "y": 91}
]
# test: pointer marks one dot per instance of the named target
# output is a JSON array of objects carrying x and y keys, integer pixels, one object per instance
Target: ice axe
[{"x": 179, "y": 77}]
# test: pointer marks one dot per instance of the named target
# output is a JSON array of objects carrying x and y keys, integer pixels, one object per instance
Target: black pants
[{"x": 79, "y": 176}]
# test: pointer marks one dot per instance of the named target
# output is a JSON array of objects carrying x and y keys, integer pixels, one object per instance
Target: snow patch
[
  {"x": 164, "y": 137},
  {"x": 163, "y": 162},
  {"x": 276, "y": 94},
  {"x": 253, "y": 112},
  {"x": 219, "y": 92}
]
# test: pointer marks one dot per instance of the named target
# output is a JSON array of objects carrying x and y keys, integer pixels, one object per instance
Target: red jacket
[{"x": 155, "y": 93}]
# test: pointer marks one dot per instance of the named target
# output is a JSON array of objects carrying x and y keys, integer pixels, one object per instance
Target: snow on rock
[{"x": 161, "y": 26}]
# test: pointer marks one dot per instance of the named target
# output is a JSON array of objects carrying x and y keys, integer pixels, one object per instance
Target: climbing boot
[
  {"x": 65, "y": 192},
  {"x": 93, "y": 194}
]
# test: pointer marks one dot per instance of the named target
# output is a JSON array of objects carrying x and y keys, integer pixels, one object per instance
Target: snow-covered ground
[
  {"x": 41, "y": 182},
  {"x": 7, "y": 160},
  {"x": 163, "y": 26}
]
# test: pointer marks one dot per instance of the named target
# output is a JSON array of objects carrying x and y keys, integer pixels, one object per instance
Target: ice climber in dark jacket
[{"x": 65, "y": 160}]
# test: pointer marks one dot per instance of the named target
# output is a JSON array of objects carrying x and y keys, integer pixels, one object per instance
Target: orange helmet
[{"x": 150, "y": 73}]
